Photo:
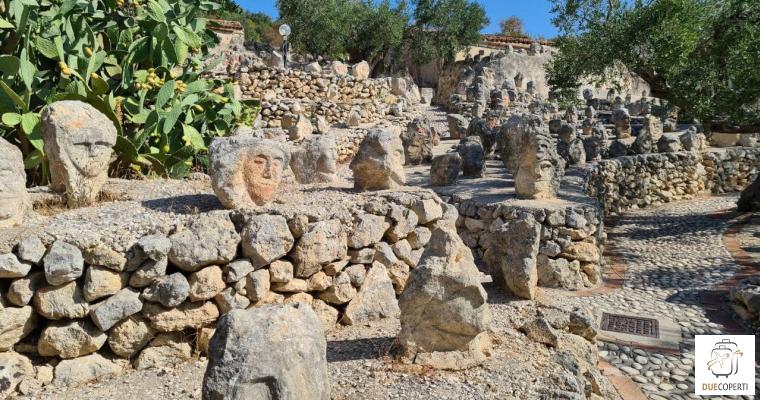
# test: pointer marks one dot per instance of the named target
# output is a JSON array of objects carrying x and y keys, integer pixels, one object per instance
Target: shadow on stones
[
  {"x": 359, "y": 349},
  {"x": 185, "y": 204}
]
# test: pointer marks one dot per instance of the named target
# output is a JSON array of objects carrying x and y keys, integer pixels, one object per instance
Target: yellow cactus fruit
[
  {"x": 198, "y": 107},
  {"x": 166, "y": 148},
  {"x": 67, "y": 71},
  {"x": 88, "y": 52},
  {"x": 93, "y": 75},
  {"x": 62, "y": 65}
]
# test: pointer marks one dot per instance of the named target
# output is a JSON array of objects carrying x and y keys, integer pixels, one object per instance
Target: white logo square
[{"x": 724, "y": 365}]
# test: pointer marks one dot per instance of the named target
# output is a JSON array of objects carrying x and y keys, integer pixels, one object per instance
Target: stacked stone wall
[
  {"x": 572, "y": 239},
  {"x": 159, "y": 299},
  {"x": 646, "y": 180},
  {"x": 318, "y": 93}
]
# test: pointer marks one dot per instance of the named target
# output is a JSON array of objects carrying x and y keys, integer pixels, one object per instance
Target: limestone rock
[
  {"x": 21, "y": 291},
  {"x": 85, "y": 369},
  {"x": 206, "y": 283},
  {"x": 70, "y": 339},
  {"x": 228, "y": 299},
  {"x": 338, "y": 68},
  {"x": 130, "y": 335},
  {"x": 360, "y": 70},
  {"x": 243, "y": 365},
  {"x": 237, "y": 270},
  {"x": 427, "y": 211},
  {"x": 115, "y": 308},
  {"x": 186, "y": 315},
  {"x": 266, "y": 238},
  {"x": 518, "y": 249},
  {"x": 78, "y": 143},
  {"x": 207, "y": 240},
  {"x": 61, "y": 302},
  {"x": 315, "y": 160},
  {"x": 148, "y": 272},
  {"x": 100, "y": 282},
  {"x": 246, "y": 171},
  {"x": 444, "y": 313},
  {"x": 31, "y": 249},
  {"x": 694, "y": 141},
  {"x": 14, "y": 368},
  {"x": 165, "y": 350},
  {"x": 14, "y": 199},
  {"x": 326, "y": 314},
  {"x": 341, "y": 291},
  {"x": 473, "y": 157},
  {"x": 379, "y": 162},
  {"x": 376, "y": 298},
  {"x": 170, "y": 291},
  {"x": 280, "y": 271},
  {"x": 445, "y": 169},
  {"x": 155, "y": 247},
  {"x": 15, "y": 324},
  {"x": 457, "y": 126},
  {"x": 103, "y": 256},
  {"x": 418, "y": 140},
  {"x": 11, "y": 267},
  {"x": 63, "y": 263},
  {"x": 582, "y": 251},
  {"x": 257, "y": 285},
  {"x": 323, "y": 242},
  {"x": 540, "y": 331},
  {"x": 367, "y": 230},
  {"x": 301, "y": 129},
  {"x": 669, "y": 143}
]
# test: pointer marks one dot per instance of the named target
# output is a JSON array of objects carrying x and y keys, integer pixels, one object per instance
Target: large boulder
[
  {"x": 14, "y": 200},
  {"x": 473, "y": 157},
  {"x": 444, "y": 313},
  {"x": 270, "y": 352},
  {"x": 15, "y": 324},
  {"x": 457, "y": 126},
  {"x": 360, "y": 70},
  {"x": 379, "y": 163},
  {"x": 79, "y": 142}
]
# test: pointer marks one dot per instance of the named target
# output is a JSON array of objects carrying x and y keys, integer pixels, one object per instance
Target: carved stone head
[
  {"x": 246, "y": 171},
  {"x": 315, "y": 160},
  {"x": 14, "y": 200},
  {"x": 79, "y": 143},
  {"x": 379, "y": 163},
  {"x": 539, "y": 166}
]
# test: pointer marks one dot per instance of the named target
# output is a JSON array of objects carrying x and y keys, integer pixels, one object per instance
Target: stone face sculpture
[
  {"x": 14, "y": 200},
  {"x": 457, "y": 126},
  {"x": 622, "y": 120},
  {"x": 315, "y": 160},
  {"x": 379, "y": 163},
  {"x": 444, "y": 313},
  {"x": 445, "y": 169},
  {"x": 246, "y": 171},
  {"x": 269, "y": 352},
  {"x": 473, "y": 157},
  {"x": 595, "y": 144},
  {"x": 78, "y": 142},
  {"x": 418, "y": 141},
  {"x": 539, "y": 167}
]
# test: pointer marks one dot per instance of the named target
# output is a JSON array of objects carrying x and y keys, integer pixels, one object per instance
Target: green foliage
[
  {"x": 254, "y": 24},
  {"x": 370, "y": 30},
  {"x": 702, "y": 55},
  {"x": 138, "y": 62},
  {"x": 512, "y": 26}
]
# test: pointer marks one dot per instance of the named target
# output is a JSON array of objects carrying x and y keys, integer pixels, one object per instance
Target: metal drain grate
[{"x": 648, "y": 327}]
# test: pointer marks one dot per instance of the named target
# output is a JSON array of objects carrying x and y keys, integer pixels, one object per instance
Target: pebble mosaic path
[{"x": 675, "y": 258}]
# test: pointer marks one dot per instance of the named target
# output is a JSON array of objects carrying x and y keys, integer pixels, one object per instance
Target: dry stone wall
[
  {"x": 160, "y": 299},
  {"x": 571, "y": 241},
  {"x": 632, "y": 182},
  {"x": 319, "y": 93}
]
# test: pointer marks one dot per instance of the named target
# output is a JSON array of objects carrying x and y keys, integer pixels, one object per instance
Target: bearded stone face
[
  {"x": 539, "y": 166},
  {"x": 14, "y": 200}
]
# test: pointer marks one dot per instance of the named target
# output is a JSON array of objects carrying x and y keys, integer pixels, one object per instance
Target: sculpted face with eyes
[
  {"x": 246, "y": 171},
  {"x": 379, "y": 163},
  {"x": 14, "y": 200},
  {"x": 78, "y": 142},
  {"x": 539, "y": 167}
]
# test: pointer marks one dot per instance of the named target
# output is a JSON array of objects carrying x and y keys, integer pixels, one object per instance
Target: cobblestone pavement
[{"x": 673, "y": 254}]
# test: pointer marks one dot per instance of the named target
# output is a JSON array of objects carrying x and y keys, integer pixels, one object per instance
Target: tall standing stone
[
  {"x": 379, "y": 163},
  {"x": 14, "y": 200},
  {"x": 269, "y": 352},
  {"x": 444, "y": 313},
  {"x": 79, "y": 142}
]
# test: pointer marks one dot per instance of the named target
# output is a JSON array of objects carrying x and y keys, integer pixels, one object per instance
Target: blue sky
[{"x": 534, "y": 13}]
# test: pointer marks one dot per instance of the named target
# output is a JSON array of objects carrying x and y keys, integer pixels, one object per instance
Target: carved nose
[{"x": 267, "y": 173}]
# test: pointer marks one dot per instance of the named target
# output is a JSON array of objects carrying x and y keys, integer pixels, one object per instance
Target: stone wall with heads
[
  {"x": 632, "y": 182},
  {"x": 348, "y": 257}
]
